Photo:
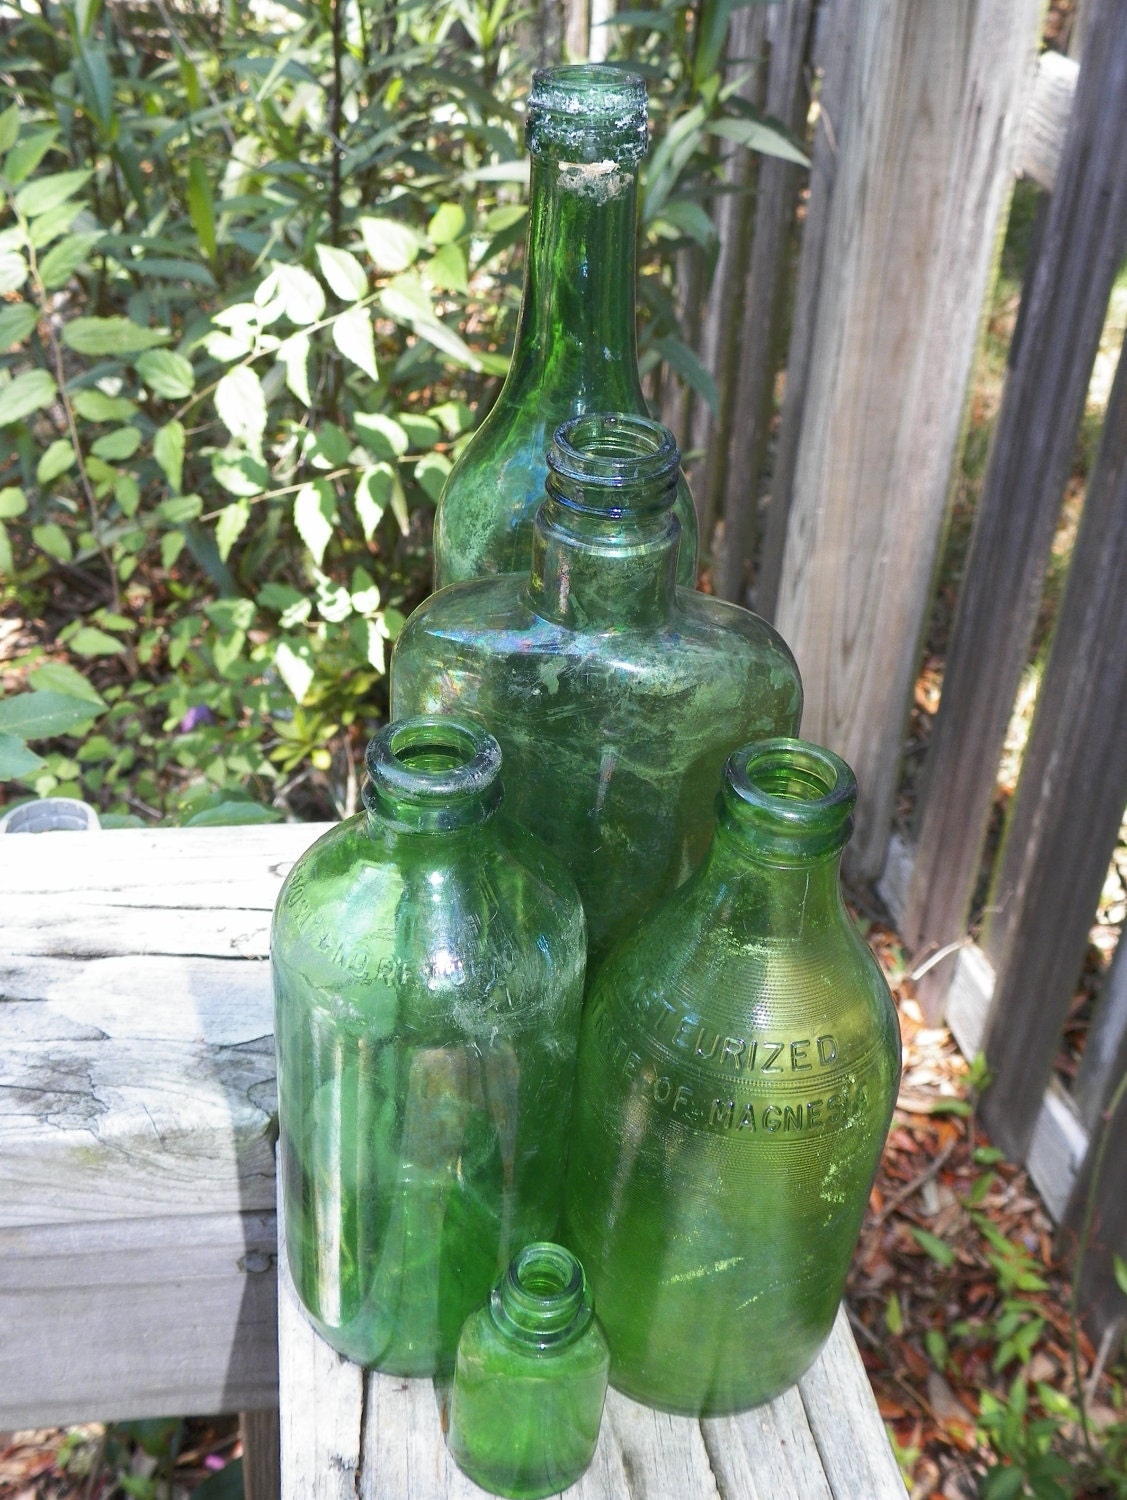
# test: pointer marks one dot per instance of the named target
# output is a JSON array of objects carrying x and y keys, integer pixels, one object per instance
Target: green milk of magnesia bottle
[
  {"x": 576, "y": 348},
  {"x": 738, "y": 1065},
  {"x": 428, "y": 973}
]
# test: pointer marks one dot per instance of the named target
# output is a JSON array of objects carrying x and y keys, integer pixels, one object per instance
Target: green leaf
[
  {"x": 13, "y": 272},
  {"x": 201, "y": 207},
  {"x": 26, "y": 155},
  {"x": 423, "y": 432},
  {"x": 352, "y": 334},
  {"x": 28, "y": 393},
  {"x": 40, "y": 715},
  {"x": 239, "y": 473},
  {"x": 56, "y": 460},
  {"x": 382, "y": 434},
  {"x": 758, "y": 135},
  {"x": 63, "y": 260},
  {"x": 178, "y": 510},
  {"x": 406, "y": 300},
  {"x": 166, "y": 373},
  {"x": 13, "y": 502},
  {"x": 90, "y": 641},
  {"x": 56, "y": 221},
  {"x": 53, "y": 540},
  {"x": 171, "y": 545},
  {"x": 9, "y": 127},
  {"x": 48, "y": 192},
  {"x": 334, "y": 603},
  {"x": 938, "y": 1249},
  {"x": 16, "y": 760},
  {"x": 312, "y": 514},
  {"x": 230, "y": 814},
  {"x": 391, "y": 245},
  {"x": 122, "y": 443},
  {"x": 7, "y": 558},
  {"x": 169, "y": 443},
  {"x": 343, "y": 272},
  {"x": 447, "y": 224},
  {"x": 300, "y": 294},
  {"x": 678, "y": 354},
  {"x": 60, "y": 677},
  {"x": 293, "y": 355},
  {"x": 242, "y": 407},
  {"x": 1119, "y": 1265},
  {"x": 97, "y": 407},
  {"x": 293, "y": 607},
  {"x": 431, "y": 472},
  {"x": 294, "y": 669},
  {"x": 110, "y": 336},
  {"x": 17, "y": 319},
  {"x": 447, "y": 269},
  {"x": 893, "y": 1315},
  {"x": 229, "y": 526},
  {"x": 373, "y": 496}
]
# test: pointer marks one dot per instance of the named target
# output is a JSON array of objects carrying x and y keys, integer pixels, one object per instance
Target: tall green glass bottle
[
  {"x": 428, "y": 972},
  {"x": 738, "y": 1065},
  {"x": 615, "y": 694},
  {"x": 576, "y": 347}
]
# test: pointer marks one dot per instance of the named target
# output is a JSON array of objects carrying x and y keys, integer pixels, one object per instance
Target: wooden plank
[
  {"x": 834, "y": 42},
  {"x": 148, "y": 1317},
  {"x": 261, "y": 1474},
  {"x": 1064, "y": 823},
  {"x": 739, "y": 456},
  {"x": 1104, "y": 1061},
  {"x": 1097, "y": 1216},
  {"x": 925, "y": 165},
  {"x": 1045, "y": 122},
  {"x": 345, "y": 1434},
  {"x": 1063, "y": 308}
]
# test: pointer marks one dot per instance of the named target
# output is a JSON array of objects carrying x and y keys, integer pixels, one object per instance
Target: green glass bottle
[
  {"x": 738, "y": 1065},
  {"x": 428, "y": 973},
  {"x": 576, "y": 348},
  {"x": 530, "y": 1379},
  {"x": 615, "y": 694}
]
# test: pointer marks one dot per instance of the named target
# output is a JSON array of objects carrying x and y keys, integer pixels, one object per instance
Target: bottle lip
[
  {"x": 460, "y": 784},
  {"x": 542, "y": 1297},
  {"x": 588, "y": 111},
  {"x": 613, "y": 462},
  {"x": 798, "y": 795}
]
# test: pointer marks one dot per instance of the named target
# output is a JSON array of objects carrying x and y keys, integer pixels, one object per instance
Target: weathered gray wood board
[
  {"x": 1045, "y": 122},
  {"x": 347, "y": 1435},
  {"x": 1054, "y": 859},
  {"x": 926, "y": 144},
  {"x": 137, "y": 1224},
  {"x": 1063, "y": 309}
]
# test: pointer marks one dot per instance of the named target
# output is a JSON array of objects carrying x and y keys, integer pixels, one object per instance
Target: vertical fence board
[
  {"x": 753, "y": 371},
  {"x": 1066, "y": 814},
  {"x": 1105, "y": 1047},
  {"x": 926, "y": 151},
  {"x": 1063, "y": 308}
]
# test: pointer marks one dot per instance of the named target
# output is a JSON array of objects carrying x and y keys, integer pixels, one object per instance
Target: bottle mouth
[
  {"x": 433, "y": 771},
  {"x": 542, "y": 1296},
  {"x": 588, "y": 112},
  {"x": 611, "y": 463},
  {"x": 798, "y": 796}
]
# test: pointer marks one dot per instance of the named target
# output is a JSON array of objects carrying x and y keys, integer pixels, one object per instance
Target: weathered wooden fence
[{"x": 924, "y": 115}]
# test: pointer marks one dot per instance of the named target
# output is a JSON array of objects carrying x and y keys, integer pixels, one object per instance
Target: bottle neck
[
  {"x": 541, "y": 1300},
  {"x": 431, "y": 775},
  {"x": 592, "y": 572},
  {"x": 577, "y": 342}
]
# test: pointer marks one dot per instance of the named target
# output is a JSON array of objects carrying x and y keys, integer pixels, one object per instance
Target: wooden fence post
[
  {"x": 1085, "y": 236},
  {"x": 1065, "y": 819},
  {"x": 926, "y": 147}
]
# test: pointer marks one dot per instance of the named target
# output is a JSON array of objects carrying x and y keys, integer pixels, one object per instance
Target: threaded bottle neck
[
  {"x": 431, "y": 774},
  {"x": 588, "y": 113},
  {"x": 542, "y": 1298},
  {"x": 788, "y": 802}
]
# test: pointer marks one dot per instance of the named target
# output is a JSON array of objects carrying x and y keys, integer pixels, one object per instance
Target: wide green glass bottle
[
  {"x": 530, "y": 1379},
  {"x": 428, "y": 973},
  {"x": 738, "y": 1065},
  {"x": 576, "y": 348},
  {"x": 615, "y": 694}
]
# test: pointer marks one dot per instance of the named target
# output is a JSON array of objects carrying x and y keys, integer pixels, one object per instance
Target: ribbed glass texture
[
  {"x": 576, "y": 343},
  {"x": 738, "y": 1066},
  {"x": 428, "y": 963},
  {"x": 615, "y": 693},
  {"x": 530, "y": 1379}
]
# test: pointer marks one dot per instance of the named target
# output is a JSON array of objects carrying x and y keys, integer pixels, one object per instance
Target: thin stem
[{"x": 336, "y": 118}]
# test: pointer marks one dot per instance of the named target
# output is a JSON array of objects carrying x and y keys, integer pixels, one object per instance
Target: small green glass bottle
[
  {"x": 576, "y": 344},
  {"x": 614, "y": 693},
  {"x": 530, "y": 1379},
  {"x": 738, "y": 1065},
  {"x": 428, "y": 962}
]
